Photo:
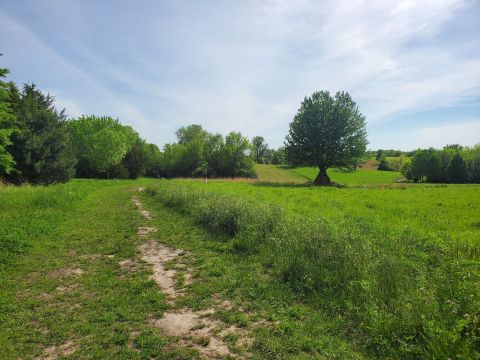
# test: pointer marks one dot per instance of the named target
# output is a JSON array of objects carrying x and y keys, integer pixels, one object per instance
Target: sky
[{"x": 413, "y": 67}]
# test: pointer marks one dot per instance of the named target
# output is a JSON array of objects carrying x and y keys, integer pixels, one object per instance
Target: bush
[{"x": 383, "y": 165}]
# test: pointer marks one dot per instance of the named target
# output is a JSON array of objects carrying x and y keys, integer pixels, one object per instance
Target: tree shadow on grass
[{"x": 308, "y": 184}]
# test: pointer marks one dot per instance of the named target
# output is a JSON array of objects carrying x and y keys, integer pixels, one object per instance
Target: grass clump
[{"x": 228, "y": 217}]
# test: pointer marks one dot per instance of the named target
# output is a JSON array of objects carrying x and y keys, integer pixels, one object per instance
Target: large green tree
[
  {"x": 457, "y": 169},
  {"x": 237, "y": 161},
  {"x": 41, "y": 147},
  {"x": 7, "y": 125},
  {"x": 260, "y": 150},
  {"x": 327, "y": 131}
]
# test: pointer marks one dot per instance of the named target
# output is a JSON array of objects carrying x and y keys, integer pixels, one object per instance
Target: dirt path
[{"x": 196, "y": 329}]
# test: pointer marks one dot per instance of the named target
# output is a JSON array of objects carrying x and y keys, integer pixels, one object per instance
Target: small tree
[
  {"x": 426, "y": 166},
  {"x": 457, "y": 169},
  {"x": 259, "y": 150},
  {"x": 383, "y": 165},
  {"x": 327, "y": 131}
]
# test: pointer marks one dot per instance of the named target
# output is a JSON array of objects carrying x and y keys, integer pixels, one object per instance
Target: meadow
[
  {"x": 396, "y": 265},
  {"x": 371, "y": 268}
]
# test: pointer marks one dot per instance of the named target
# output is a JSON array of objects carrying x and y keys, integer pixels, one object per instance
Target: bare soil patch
[
  {"x": 157, "y": 255},
  {"x": 59, "y": 273},
  {"x": 54, "y": 352},
  {"x": 196, "y": 331}
]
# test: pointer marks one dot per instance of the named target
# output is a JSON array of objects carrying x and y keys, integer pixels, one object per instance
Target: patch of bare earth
[
  {"x": 196, "y": 329},
  {"x": 145, "y": 213},
  {"x": 54, "y": 352},
  {"x": 60, "y": 273}
]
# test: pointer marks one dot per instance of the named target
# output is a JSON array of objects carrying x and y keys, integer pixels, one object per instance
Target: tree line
[
  {"x": 452, "y": 164},
  {"x": 39, "y": 145}
]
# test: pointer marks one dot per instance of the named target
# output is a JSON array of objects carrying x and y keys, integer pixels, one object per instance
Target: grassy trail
[
  {"x": 81, "y": 289},
  {"x": 68, "y": 295}
]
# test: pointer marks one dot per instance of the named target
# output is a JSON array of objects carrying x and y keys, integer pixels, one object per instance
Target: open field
[
  {"x": 396, "y": 269},
  {"x": 360, "y": 177},
  {"x": 371, "y": 270},
  {"x": 277, "y": 173}
]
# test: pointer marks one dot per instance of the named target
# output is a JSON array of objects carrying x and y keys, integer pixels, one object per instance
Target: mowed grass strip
[
  {"x": 62, "y": 290},
  {"x": 277, "y": 173}
]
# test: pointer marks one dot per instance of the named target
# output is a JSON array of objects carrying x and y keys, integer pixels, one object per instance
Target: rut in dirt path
[{"x": 196, "y": 329}]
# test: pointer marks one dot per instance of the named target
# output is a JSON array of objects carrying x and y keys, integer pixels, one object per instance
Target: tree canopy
[
  {"x": 41, "y": 148},
  {"x": 7, "y": 125},
  {"x": 326, "y": 131}
]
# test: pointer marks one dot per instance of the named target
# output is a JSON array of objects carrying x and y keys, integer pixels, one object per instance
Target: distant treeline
[
  {"x": 39, "y": 145},
  {"x": 452, "y": 164}
]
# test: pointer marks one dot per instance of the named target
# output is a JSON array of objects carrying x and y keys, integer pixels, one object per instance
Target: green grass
[
  {"x": 371, "y": 270},
  {"x": 84, "y": 224},
  {"x": 277, "y": 173},
  {"x": 395, "y": 269},
  {"x": 359, "y": 177}
]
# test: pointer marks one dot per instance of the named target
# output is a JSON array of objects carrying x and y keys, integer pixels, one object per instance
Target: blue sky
[{"x": 413, "y": 67}]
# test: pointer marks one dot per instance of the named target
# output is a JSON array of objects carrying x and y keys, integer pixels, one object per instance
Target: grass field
[
  {"x": 371, "y": 270},
  {"x": 360, "y": 177},
  {"x": 396, "y": 269},
  {"x": 277, "y": 173}
]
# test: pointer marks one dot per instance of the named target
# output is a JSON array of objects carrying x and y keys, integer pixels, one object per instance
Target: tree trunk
[{"x": 322, "y": 178}]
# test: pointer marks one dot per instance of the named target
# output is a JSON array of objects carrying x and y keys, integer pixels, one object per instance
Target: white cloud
[
  {"x": 465, "y": 133},
  {"x": 247, "y": 65}
]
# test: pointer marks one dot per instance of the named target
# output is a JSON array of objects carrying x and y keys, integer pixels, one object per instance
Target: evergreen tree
[
  {"x": 457, "y": 169},
  {"x": 7, "y": 125},
  {"x": 41, "y": 148}
]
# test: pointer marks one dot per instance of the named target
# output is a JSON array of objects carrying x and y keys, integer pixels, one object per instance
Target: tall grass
[{"x": 401, "y": 294}]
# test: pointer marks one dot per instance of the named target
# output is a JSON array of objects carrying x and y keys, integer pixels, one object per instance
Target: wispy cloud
[{"x": 247, "y": 65}]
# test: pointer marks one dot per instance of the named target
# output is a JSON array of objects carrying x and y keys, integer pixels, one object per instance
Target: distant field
[
  {"x": 358, "y": 177},
  {"x": 278, "y": 173}
]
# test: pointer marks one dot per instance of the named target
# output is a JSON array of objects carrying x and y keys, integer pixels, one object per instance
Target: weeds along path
[{"x": 194, "y": 329}]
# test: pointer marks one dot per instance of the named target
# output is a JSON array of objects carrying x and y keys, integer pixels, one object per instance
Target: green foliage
[
  {"x": 453, "y": 164},
  {"x": 457, "y": 169},
  {"x": 41, "y": 147},
  {"x": 236, "y": 159},
  {"x": 199, "y": 153},
  {"x": 279, "y": 156},
  {"x": 153, "y": 160},
  {"x": 327, "y": 132},
  {"x": 135, "y": 160},
  {"x": 472, "y": 156},
  {"x": 106, "y": 148},
  {"x": 260, "y": 150},
  {"x": 426, "y": 166},
  {"x": 7, "y": 125},
  {"x": 384, "y": 165}
]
